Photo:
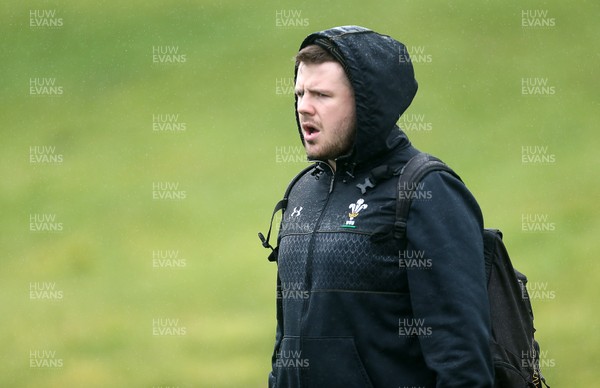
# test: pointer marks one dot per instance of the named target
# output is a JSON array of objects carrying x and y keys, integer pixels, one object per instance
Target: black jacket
[{"x": 354, "y": 311}]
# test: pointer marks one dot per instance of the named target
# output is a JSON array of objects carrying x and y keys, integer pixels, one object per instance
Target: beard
[{"x": 333, "y": 143}]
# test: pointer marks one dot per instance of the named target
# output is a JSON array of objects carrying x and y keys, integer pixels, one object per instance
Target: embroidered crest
[{"x": 355, "y": 209}]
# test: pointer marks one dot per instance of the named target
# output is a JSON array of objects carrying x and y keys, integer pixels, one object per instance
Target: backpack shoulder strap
[
  {"x": 281, "y": 205},
  {"x": 411, "y": 174}
]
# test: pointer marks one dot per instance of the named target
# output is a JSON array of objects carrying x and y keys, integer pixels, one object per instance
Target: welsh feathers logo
[{"x": 355, "y": 209}]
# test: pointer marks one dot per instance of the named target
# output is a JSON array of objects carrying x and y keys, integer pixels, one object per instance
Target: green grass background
[{"x": 226, "y": 162}]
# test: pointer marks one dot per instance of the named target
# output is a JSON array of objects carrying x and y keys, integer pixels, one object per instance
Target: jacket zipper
[{"x": 309, "y": 259}]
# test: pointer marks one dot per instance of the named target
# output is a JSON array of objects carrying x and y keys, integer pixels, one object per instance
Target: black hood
[
  {"x": 382, "y": 76},
  {"x": 383, "y": 79}
]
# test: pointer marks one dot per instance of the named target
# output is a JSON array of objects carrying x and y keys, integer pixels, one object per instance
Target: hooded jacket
[{"x": 358, "y": 311}]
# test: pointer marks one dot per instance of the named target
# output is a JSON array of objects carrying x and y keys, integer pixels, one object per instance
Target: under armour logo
[
  {"x": 296, "y": 212},
  {"x": 366, "y": 185}
]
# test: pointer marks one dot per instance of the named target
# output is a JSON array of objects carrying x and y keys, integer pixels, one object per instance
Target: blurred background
[{"x": 145, "y": 143}]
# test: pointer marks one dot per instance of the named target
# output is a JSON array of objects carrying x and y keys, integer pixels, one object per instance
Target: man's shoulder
[{"x": 303, "y": 175}]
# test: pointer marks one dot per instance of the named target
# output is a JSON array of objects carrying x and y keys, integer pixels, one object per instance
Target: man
[{"x": 351, "y": 311}]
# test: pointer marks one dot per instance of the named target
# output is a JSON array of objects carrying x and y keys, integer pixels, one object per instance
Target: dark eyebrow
[
  {"x": 314, "y": 91},
  {"x": 321, "y": 91}
]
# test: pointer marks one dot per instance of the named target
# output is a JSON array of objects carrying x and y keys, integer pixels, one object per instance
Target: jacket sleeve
[
  {"x": 450, "y": 295},
  {"x": 272, "y": 382}
]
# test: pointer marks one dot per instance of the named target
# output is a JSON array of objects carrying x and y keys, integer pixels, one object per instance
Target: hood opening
[{"x": 384, "y": 84}]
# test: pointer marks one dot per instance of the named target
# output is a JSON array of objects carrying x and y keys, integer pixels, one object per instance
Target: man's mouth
[{"x": 310, "y": 131}]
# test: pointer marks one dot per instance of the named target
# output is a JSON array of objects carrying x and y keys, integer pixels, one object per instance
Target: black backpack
[{"x": 515, "y": 352}]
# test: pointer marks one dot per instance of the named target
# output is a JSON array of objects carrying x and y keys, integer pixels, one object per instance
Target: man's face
[{"x": 326, "y": 109}]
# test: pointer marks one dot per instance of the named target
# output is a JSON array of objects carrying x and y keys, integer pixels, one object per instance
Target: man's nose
[{"x": 305, "y": 107}]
